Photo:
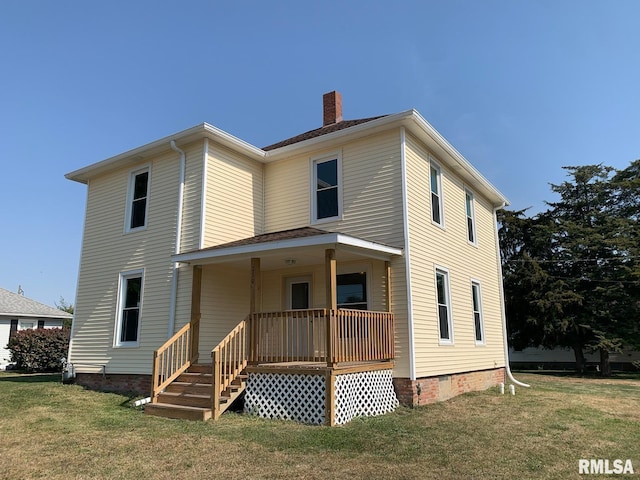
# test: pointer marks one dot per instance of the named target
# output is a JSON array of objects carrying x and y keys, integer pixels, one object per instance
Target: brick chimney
[{"x": 332, "y": 108}]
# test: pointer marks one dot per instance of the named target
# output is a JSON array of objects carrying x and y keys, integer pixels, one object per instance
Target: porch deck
[{"x": 315, "y": 342}]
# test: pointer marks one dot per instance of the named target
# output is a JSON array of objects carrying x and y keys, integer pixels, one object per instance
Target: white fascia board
[
  {"x": 204, "y": 130},
  {"x": 62, "y": 316},
  {"x": 328, "y": 239},
  {"x": 453, "y": 158},
  {"x": 367, "y": 245}
]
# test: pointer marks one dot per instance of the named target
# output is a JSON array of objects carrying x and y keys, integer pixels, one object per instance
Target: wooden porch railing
[
  {"x": 174, "y": 357},
  {"x": 321, "y": 335},
  {"x": 229, "y": 359}
]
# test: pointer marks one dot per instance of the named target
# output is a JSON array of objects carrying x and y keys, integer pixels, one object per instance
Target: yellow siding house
[{"x": 323, "y": 277}]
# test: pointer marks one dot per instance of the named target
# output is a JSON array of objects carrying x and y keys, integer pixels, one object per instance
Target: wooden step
[
  {"x": 200, "y": 368},
  {"x": 191, "y": 388},
  {"x": 191, "y": 377},
  {"x": 190, "y": 400},
  {"x": 177, "y": 411}
]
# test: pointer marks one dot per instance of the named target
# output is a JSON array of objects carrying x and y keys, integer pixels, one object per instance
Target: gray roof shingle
[{"x": 19, "y": 305}]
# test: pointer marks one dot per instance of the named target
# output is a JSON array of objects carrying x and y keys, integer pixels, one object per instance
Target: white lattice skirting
[
  {"x": 364, "y": 394},
  {"x": 301, "y": 397}
]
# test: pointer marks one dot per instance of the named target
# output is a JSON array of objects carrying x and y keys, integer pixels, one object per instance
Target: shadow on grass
[{"x": 31, "y": 377}]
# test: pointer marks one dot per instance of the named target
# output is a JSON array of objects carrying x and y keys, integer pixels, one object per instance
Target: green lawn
[{"x": 49, "y": 430}]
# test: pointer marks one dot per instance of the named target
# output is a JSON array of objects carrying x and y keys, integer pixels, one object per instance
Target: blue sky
[{"x": 520, "y": 88}]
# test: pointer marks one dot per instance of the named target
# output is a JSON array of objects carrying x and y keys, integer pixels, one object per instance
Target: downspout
[
  {"x": 174, "y": 275},
  {"x": 507, "y": 367},
  {"x": 407, "y": 253}
]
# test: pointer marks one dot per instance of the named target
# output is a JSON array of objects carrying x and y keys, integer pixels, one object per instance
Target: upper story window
[
  {"x": 471, "y": 217},
  {"x": 436, "y": 195},
  {"x": 129, "y": 305},
  {"x": 137, "y": 199},
  {"x": 444, "y": 306},
  {"x": 326, "y": 189},
  {"x": 477, "y": 312}
]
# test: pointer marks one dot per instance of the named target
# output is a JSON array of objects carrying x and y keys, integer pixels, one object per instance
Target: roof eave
[
  {"x": 61, "y": 316},
  {"x": 431, "y": 137},
  {"x": 416, "y": 124},
  {"x": 265, "y": 247},
  {"x": 183, "y": 137}
]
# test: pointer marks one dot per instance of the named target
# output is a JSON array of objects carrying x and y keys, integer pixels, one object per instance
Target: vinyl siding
[
  {"x": 224, "y": 304},
  {"x": 107, "y": 251},
  {"x": 433, "y": 246},
  {"x": 233, "y": 196},
  {"x": 372, "y": 208}
]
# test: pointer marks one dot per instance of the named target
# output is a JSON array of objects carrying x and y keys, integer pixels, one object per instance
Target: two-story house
[{"x": 325, "y": 274}]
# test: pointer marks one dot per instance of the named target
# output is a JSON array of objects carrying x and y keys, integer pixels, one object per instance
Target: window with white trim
[
  {"x": 471, "y": 216},
  {"x": 477, "y": 312},
  {"x": 435, "y": 177},
  {"x": 137, "y": 199},
  {"x": 326, "y": 189},
  {"x": 129, "y": 308},
  {"x": 444, "y": 306}
]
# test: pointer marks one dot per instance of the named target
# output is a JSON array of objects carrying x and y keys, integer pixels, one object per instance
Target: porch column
[
  {"x": 387, "y": 269},
  {"x": 255, "y": 295},
  {"x": 256, "y": 285},
  {"x": 196, "y": 294},
  {"x": 332, "y": 301}
]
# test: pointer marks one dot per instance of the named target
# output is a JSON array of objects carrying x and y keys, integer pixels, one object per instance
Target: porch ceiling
[{"x": 305, "y": 246}]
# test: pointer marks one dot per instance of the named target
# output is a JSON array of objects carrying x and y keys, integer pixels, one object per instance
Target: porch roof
[{"x": 288, "y": 243}]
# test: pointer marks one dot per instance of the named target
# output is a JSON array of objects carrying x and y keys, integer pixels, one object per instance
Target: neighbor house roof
[{"x": 13, "y": 304}]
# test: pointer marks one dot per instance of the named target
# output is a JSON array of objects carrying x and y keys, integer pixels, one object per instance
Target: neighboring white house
[{"x": 18, "y": 312}]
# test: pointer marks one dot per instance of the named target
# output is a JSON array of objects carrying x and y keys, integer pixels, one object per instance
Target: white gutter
[
  {"x": 507, "y": 367},
  {"x": 407, "y": 253},
  {"x": 174, "y": 274}
]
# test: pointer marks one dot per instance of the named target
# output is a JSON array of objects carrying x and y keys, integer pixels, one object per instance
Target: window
[
  {"x": 352, "y": 290},
  {"x": 436, "y": 195},
  {"x": 477, "y": 311},
  {"x": 444, "y": 306},
  {"x": 40, "y": 324},
  {"x": 326, "y": 189},
  {"x": 471, "y": 219},
  {"x": 13, "y": 328},
  {"x": 129, "y": 305},
  {"x": 137, "y": 204}
]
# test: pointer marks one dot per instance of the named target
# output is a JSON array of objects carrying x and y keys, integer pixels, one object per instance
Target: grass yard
[{"x": 54, "y": 431}]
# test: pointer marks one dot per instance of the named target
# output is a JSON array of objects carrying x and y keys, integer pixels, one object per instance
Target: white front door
[{"x": 299, "y": 326}]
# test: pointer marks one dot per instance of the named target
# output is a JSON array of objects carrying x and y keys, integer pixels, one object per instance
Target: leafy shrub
[{"x": 40, "y": 350}]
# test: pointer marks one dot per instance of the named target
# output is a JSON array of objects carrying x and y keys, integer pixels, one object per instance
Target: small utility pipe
[
  {"x": 507, "y": 368},
  {"x": 174, "y": 275}
]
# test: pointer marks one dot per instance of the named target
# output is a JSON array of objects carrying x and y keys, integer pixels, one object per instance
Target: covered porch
[{"x": 332, "y": 321}]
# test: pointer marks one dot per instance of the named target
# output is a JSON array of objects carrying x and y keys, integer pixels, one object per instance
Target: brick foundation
[
  {"x": 435, "y": 389},
  {"x": 120, "y": 383}
]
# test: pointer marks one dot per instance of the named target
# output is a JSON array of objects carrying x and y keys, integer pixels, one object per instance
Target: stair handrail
[
  {"x": 172, "y": 358},
  {"x": 229, "y": 359}
]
